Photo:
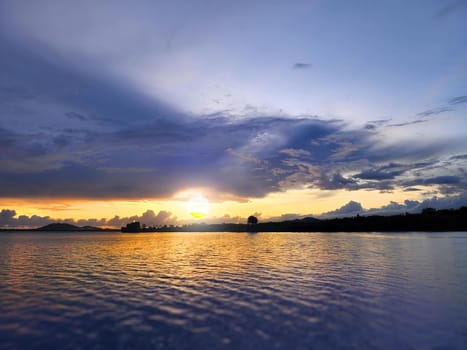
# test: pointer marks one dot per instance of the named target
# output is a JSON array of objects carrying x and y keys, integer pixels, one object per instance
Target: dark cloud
[
  {"x": 301, "y": 65},
  {"x": 438, "y": 110},
  {"x": 337, "y": 181},
  {"x": 437, "y": 180},
  {"x": 352, "y": 208},
  {"x": 411, "y": 189},
  {"x": 435, "y": 111},
  {"x": 408, "y": 123},
  {"x": 370, "y": 126},
  {"x": 459, "y": 157},
  {"x": 380, "y": 121},
  {"x": 409, "y": 152},
  {"x": 389, "y": 171},
  {"x": 247, "y": 157},
  {"x": 200, "y": 153},
  {"x": 458, "y": 100},
  {"x": 378, "y": 175},
  {"x": 444, "y": 180},
  {"x": 375, "y": 124}
]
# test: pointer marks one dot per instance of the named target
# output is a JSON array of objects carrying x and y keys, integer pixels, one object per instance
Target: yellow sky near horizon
[{"x": 297, "y": 201}]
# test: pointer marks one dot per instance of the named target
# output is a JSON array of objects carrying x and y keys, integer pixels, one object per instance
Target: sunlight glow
[{"x": 197, "y": 207}]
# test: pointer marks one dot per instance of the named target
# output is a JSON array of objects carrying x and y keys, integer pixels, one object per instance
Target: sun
[{"x": 197, "y": 207}]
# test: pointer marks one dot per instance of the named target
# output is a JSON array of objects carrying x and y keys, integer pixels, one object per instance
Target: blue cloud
[
  {"x": 458, "y": 100},
  {"x": 244, "y": 157}
]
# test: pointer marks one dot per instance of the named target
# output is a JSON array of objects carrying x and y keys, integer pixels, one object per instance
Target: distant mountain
[
  {"x": 307, "y": 219},
  {"x": 66, "y": 227}
]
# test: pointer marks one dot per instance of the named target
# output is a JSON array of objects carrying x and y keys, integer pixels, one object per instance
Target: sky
[{"x": 113, "y": 111}]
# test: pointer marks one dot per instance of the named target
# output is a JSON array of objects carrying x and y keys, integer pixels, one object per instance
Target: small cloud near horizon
[{"x": 301, "y": 65}]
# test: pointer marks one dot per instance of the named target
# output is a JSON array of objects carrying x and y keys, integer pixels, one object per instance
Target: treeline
[{"x": 429, "y": 220}]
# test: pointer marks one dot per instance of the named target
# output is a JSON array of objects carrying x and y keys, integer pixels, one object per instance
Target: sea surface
[{"x": 233, "y": 290}]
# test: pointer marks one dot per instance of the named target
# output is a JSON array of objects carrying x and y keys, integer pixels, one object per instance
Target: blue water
[{"x": 233, "y": 291}]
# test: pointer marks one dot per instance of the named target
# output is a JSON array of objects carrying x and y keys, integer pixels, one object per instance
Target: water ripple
[{"x": 233, "y": 291}]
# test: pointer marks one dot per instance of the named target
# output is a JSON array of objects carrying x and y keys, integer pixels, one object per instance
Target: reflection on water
[{"x": 233, "y": 290}]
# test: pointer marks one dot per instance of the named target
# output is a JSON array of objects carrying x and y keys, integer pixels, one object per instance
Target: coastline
[{"x": 429, "y": 220}]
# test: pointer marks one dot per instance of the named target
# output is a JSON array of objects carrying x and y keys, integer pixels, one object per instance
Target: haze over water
[{"x": 233, "y": 290}]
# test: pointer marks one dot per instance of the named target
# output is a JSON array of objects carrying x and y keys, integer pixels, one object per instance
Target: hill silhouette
[
  {"x": 428, "y": 220},
  {"x": 66, "y": 227}
]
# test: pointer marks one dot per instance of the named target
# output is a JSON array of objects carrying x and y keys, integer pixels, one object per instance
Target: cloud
[
  {"x": 301, "y": 65},
  {"x": 9, "y": 218},
  {"x": 458, "y": 100},
  {"x": 390, "y": 171},
  {"x": 230, "y": 156},
  {"x": 295, "y": 153},
  {"x": 337, "y": 181},
  {"x": 435, "y": 111},
  {"x": 375, "y": 124},
  {"x": 378, "y": 175},
  {"x": 438, "y": 180},
  {"x": 246, "y": 157},
  {"x": 71, "y": 130},
  {"x": 407, "y": 123},
  {"x": 444, "y": 180},
  {"x": 411, "y": 189},
  {"x": 438, "y": 110},
  {"x": 353, "y": 208},
  {"x": 459, "y": 157}
]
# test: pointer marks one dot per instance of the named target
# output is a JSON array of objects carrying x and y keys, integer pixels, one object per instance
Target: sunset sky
[{"x": 122, "y": 110}]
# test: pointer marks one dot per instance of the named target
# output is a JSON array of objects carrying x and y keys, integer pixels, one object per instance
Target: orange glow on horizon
[{"x": 298, "y": 201}]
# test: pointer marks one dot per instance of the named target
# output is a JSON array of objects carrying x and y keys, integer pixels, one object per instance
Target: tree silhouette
[{"x": 252, "y": 220}]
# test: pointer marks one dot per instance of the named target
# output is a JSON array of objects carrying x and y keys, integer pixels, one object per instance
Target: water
[{"x": 233, "y": 291}]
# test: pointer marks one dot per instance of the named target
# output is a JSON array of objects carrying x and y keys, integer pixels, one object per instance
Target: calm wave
[{"x": 233, "y": 290}]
